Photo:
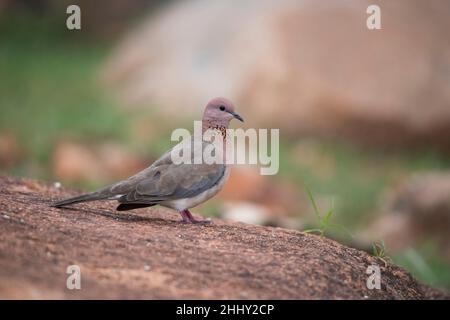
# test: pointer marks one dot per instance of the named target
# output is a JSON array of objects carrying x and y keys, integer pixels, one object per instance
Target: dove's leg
[
  {"x": 189, "y": 218},
  {"x": 185, "y": 216}
]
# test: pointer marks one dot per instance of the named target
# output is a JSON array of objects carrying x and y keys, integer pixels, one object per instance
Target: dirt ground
[{"x": 149, "y": 254}]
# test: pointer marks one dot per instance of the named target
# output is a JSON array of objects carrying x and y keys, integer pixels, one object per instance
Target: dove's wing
[{"x": 165, "y": 180}]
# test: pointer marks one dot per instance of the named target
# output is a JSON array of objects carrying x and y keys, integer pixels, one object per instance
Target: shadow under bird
[{"x": 178, "y": 186}]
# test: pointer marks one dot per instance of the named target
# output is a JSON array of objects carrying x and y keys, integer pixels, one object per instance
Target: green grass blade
[
  {"x": 313, "y": 230},
  {"x": 327, "y": 217},
  {"x": 313, "y": 202}
]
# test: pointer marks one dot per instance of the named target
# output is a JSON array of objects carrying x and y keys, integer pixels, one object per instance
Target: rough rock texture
[
  {"x": 150, "y": 254},
  {"x": 303, "y": 66}
]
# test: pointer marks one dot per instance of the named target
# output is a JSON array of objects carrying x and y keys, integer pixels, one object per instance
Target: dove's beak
[{"x": 236, "y": 116}]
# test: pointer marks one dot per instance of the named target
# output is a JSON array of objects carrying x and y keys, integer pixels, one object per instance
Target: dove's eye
[{"x": 222, "y": 108}]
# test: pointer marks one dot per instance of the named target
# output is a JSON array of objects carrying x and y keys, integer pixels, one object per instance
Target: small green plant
[
  {"x": 379, "y": 251},
  {"x": 324, "y": 221}
]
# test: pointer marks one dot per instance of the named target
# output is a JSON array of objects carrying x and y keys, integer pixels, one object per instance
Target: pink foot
[{"x": 188, "y": 218}]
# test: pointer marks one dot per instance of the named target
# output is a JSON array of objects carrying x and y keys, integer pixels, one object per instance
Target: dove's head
[{"x": 218, "y": 114}]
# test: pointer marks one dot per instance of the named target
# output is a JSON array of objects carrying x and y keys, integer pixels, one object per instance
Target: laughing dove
[{"x": 179, "y": 186}]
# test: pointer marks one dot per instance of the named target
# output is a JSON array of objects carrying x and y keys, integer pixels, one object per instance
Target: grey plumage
[
  {"x": 83, "y": 198},
  {"x": 162, "y": 181}
]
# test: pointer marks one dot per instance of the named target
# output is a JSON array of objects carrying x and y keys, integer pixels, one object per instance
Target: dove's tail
[{"x": 83, "y": 198}]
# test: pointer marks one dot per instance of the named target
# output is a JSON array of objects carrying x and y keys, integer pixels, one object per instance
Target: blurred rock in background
[
  {"x": 104, "y": 162},
  {"x": 10, "y": 151},
  {"x": 302, "y": 66},
  {"x": 250, "y": 196},
  {"x": 254, "y": 213},
  {"x": 416, "y": 210}
]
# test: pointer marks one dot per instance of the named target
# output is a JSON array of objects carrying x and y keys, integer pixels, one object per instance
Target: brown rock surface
[{"x": 150, "y": 254}]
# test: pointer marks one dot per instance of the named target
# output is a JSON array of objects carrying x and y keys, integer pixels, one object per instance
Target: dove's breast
[{"x": 187, "y": 203}]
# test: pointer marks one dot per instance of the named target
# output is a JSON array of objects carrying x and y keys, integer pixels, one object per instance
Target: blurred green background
[{"x": 55, "y": 104}]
